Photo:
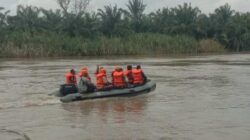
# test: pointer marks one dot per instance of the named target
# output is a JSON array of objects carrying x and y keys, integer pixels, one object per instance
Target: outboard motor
[{"x": 68, "y": 89}]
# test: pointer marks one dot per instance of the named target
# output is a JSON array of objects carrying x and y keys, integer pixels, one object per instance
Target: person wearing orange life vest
[
  {"x": 71, "y": 77},
  {"x": 129, "y": 75},
  {"x": 116, "y": 68},
  {"x": 102, "y": 82},
  {"x": 118, "y": 78},
  {"x": 85, "y": 85},
  {"x": 70, "y": 84},
  {"x": 104, "y": 72},
  {"x": 139, "y": 76},
  {"x": 84, "y": 72}
]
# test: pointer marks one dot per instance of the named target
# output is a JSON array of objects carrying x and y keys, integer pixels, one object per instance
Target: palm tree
[
  {"x": 3, "y": 17},
  {"x": 135, "y": 13},
  {"x": 52, "y": 20},
  {"x": 224, "y": 13},
  {"x": 185, "y": 17},
  {"x": 26, "y": 19},
  {"x": 89, "y": 25},
  {"x": 237, "y": 32},
  {"x": 3, "y": 23},
  {"x": 162, "y": 20},
  {"x": 221, "y": 23},
  {"x": 110, "y": 18}
]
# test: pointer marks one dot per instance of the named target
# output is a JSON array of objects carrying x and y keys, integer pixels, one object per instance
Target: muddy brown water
[{"x": 197, "y": 98}]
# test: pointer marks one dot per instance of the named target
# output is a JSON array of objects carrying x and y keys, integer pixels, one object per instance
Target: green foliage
[
  {"x": 135, "y": 14},
  {"x": 178, "y": 20},
  {"x": 3, "y": 24},
  {"x": 115, "y": 31},
  {"x": 110, "y": 19},
  {"x": 22, "y": 44}
]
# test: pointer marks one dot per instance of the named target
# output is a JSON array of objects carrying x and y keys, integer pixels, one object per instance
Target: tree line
[{"x": 73, "y": 21}]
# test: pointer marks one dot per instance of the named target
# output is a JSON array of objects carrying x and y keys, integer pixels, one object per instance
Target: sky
[{"x": 206, "y": 6}]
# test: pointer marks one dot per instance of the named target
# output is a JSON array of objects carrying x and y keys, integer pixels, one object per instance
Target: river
[{"x": 197, "y": 98}]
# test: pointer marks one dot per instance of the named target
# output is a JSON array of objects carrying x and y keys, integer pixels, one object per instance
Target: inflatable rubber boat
[{"x": 146, "y": 88}]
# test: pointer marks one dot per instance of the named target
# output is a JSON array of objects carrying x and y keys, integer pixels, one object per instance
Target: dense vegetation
[{"x": 72, "y": 31}]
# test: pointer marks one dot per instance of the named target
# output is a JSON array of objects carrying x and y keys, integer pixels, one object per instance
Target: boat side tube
[{"x": 149, "y": 86}]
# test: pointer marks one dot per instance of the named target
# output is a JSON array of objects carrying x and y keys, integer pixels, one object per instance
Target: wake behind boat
[{"x": 134, "y": 91}]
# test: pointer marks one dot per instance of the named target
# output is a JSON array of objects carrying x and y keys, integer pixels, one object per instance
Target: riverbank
[{"x": 55, "y": 45}]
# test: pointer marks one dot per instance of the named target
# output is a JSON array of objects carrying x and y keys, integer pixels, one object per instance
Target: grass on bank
[{"x": 56, "y": 45}]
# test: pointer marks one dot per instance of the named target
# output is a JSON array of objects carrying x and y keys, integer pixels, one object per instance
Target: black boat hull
[{"x": 143, "y": 89}]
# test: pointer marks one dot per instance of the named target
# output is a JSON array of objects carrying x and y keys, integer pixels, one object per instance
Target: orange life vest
[
  {"x": 130, "y": 79},
  {"x": 118, "y": 79},
  {"x": 137, "y": 75},
  {"x": 70, "y": 78},
  {"x": 100, "y": 80},
  {"x": 104, "y": 72}
]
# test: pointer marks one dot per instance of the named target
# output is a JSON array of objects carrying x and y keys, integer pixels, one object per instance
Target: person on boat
[
  {"x": 85, "y": 85},
  {"x": 104, "y": 72},
  {"x": 71, "y": 77},
  {"x": 118, "y": 78},
  {"x": 84, "y": 71},
  {"x": 139, "y": 76},
  {"x": 129, "y": 75},
  {"x": 102, "y": 82}
]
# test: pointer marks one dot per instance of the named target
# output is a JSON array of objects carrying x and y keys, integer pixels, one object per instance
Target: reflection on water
[
  {"x": 197, "y": 98},
  {"x": 103, "y": 107}
]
